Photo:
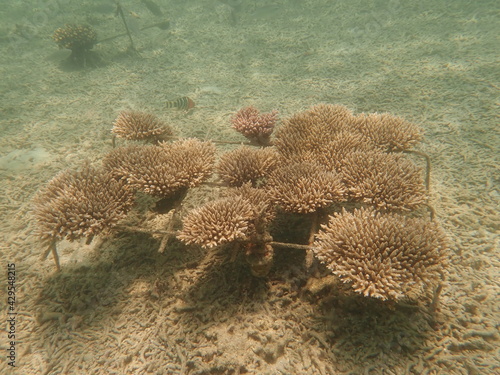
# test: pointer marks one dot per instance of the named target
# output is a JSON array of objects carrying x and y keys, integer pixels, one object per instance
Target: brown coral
[
  {"x": 304, "y": 187},
  {"x": 385, "y": 180},
  {"x": 381, "y": 255},
  {"x": 135, "y": 125},
  {"x": 163, "y": 170},
  {"x": 242, "y": 217},
  {"x": 301, "y": 136},
  {"x": 259, "y": 198},
  {"x": 390, "y": 132},
  {"x": 80, "y": 204},
  {"x": 307, "y": 135},
  {"x": 333, "y": 152},
  {"x": 80, "y": 39},
  {"x": 75, "y": 37},
  {"x": 153, "y": 174},
  {"x": 332, "y": 117},
  {"x": 255, "y": 126},
  {"x": 222, "y": 221},
  {"x": 192, "y": 160},
  {"x": 119, "y": 161},
  {"x": 246, "y": 164}
]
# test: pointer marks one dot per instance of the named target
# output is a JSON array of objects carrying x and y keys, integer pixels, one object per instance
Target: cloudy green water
[{"x": 434, "y": 63}]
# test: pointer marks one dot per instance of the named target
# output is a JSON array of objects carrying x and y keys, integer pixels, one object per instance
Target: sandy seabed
[{"x": 120, "y": 307}]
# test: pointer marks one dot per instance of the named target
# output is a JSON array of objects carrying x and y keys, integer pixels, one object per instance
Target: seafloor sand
[{"x": 122, "y": 308}]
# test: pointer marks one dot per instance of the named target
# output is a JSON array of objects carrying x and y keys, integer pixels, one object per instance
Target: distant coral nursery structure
[
  {"x": 80, "y": 39},
  {"x": 344, "y": 173}
]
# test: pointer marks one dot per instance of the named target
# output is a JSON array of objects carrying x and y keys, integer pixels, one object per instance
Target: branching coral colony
[
  {"x": 347, "y": 175},
  {"x": 79, "y": 39}
]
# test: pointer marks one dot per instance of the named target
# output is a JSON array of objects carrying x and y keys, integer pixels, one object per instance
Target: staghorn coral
[
  {"x": 381, "y": 255},
  {"x": 191, "y": 159},
  {"x": 75, "y": 36},
  {"x": 218, "y": 222},
  {"x": 322, "y": 157},
  {"x": 80, "y": 39},
  {"x": 389, "y": 132},
  {"x": 259, "y": 198},
  {"x": 246, "y": 164},
  {"x": 121, "y": 160},
  {"x": 317, "y": 133},
  {"x": 80, "y": 204},
  {"x": 332, "y": 153},
  {"x": 255, "y": 126},
  {"x": 331, "y": 117},
  {"x": 241, "y": 218},
  {"x": 385, "y": 180},
  {"x": 133, "y": 125},
  {"x": 302, "y": 136},
  {"x": 304, "y": 187},
  {"x": 163, "y": 170}
]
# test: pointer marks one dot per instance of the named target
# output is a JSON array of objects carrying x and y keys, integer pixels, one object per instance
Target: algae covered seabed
[{"x": 120, "y": 307}]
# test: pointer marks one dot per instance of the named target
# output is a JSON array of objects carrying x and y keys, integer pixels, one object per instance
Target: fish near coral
[{"x": 183, "y": 103}]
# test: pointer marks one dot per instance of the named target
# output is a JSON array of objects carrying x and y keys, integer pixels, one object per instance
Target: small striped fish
[{"x": 182, "y": 103}]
